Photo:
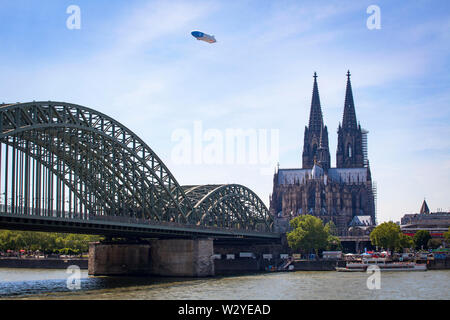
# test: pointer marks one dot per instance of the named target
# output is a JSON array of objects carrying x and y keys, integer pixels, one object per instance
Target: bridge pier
[
  {"x": 185, "y": 258},
  {"x": 166, "y": 257},
  {"x": 119, "y": 259}
]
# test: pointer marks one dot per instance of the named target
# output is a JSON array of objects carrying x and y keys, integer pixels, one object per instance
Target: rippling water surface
[{"x": 52, "y": 284}]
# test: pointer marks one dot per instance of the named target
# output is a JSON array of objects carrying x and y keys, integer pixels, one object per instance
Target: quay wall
[
  {"x": 257, "y": 249},
  {"x": 439, "y": 264},
  {"x": 221, "y": 266},
  {"x": 236, "y": 266},
  {"x": 250, "y": 265},
  {"x": 42, "y": 263},
  {"x": 317, "y": 265}
]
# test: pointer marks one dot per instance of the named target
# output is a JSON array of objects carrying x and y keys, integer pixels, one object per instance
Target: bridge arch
[
  {"x": 95, "y": 157},
  {"x": 229, "y": 206},
  {"x": 61, "y": 159}
]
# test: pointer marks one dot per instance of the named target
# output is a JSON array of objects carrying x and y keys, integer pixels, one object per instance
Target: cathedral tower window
[
  {"x": 323, "y": 199},
  {"x": 312, "y": 199}
]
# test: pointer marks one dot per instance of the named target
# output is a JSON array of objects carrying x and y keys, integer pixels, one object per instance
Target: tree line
[
  {"x": 46, "y": 242},
  {"x": 388, "y": 235},
  {"x": 310, "y": 234}
]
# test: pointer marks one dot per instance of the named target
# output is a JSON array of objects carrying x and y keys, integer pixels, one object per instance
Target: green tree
[
  {"x": 421, "y": 239},
  {"x": 308, "y": 234},
  {"x": 45, "y": 241},
  {"x": 434, "y": 243},
  {"x": 334, "y": 243},
  {"x": 404, "y": 241},
  {"x": 8, "y": 240},
  {"x": 386, "y": 235},
  {"x": 331, "y": 228}
]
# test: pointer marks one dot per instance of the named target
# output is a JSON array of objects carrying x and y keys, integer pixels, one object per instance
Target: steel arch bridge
[{"x": 66, "y": 167}]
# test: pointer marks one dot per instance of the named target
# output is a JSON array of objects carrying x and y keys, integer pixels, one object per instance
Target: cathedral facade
[{"x": 344, "y": 194}]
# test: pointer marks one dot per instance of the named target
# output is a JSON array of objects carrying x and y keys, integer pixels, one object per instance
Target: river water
[{"x": 52, "y": 284}]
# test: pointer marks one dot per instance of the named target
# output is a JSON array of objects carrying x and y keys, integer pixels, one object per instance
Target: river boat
[{"x": 383, "y": 264}]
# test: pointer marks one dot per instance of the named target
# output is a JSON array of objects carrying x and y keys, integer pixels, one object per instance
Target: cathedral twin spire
[
  {"x": 315, "y": 148},
  {"x": 315, "y": 116},
  {"x": 349, "y": 118}
]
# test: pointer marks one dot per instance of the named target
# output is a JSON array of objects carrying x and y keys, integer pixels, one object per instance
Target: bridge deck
[{"x": 125, "y": 227}]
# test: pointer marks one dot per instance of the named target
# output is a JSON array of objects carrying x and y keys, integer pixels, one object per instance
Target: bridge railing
[
  {"x": 140, "y": 221},
  {"x": 42, "y": 212},
  {"x": 68, "y": 216}
]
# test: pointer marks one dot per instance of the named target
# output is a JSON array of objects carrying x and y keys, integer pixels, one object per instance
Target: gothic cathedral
[{"x": 345, "y": 194}]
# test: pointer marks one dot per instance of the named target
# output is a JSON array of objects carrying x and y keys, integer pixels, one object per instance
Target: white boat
[{"x": 383, "y": 264}]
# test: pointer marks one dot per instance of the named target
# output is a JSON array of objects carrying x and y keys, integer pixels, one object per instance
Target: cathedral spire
[
  {"x": 349, "y": 118},
  {"x": 315, "y": 115},
  {"x": 315, "y": 145},
  {"x": 350, "y": 153}
]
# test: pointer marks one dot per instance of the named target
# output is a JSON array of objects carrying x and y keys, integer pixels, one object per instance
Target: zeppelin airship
[{"x": 203, "y": 36}]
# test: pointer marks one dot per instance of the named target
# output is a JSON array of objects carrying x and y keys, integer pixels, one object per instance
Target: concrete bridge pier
[
  {"x": 186, "y": 258},
  {"x": 164, "y": 257},
  {"x": 119, "y": 259}
]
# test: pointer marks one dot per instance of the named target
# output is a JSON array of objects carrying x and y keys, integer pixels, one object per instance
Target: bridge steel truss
[{"x": 69, "y": 164}]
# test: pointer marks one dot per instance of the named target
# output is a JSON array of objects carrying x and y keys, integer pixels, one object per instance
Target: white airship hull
[
  {"x": 209, "y": 39},
  {"x": 203, "y": 36}
]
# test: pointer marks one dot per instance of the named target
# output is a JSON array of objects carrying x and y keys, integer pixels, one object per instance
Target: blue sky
[{"x": 137, "y": 62}]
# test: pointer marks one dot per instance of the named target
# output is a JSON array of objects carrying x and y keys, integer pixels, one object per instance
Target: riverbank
[
  {"x": 250, "y": 265},
  {"x": 317, "y": 265},
  {"x": 222, "y": 267},
  {"x": 439, "y": 264},
  {"x": 46, "y": 263}
]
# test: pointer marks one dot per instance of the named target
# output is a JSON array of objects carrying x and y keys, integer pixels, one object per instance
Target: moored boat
[{"x": 383, "y": 264}]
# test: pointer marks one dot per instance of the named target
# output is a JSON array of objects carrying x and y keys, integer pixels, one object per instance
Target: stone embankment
[{"x": 42, "y": 263}]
